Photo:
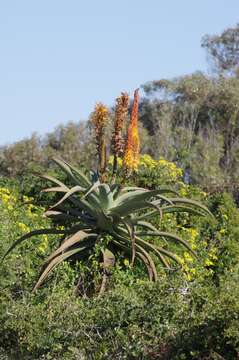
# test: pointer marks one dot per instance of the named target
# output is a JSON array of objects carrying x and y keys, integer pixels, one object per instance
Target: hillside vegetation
[{"x": 152, "y": 238}]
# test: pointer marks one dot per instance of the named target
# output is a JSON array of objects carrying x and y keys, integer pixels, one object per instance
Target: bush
[{"x": 166, "y": 320}]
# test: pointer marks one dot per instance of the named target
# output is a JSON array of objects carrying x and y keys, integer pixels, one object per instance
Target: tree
[
  {"x": 224, "y": 50},
  {"x": 72, "y": 141},
  {"x": 21, "y": 156},
  {"x": 193, "y": 107}
]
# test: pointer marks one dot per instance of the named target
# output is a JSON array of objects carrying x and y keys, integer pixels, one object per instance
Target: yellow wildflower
[
  {"x": 188, "y": 277},
  {"x": 193, "y": 271},
  {"x": 147, "y": 161},
  {"x": 208, "y": 262},
  {"x": 126, "y": 262},
  {"x": 5, "y": 198},
  {"x": 44, "y": 243},
  {"x": 188, "y": 258},
  {"x": 4, "y": 191},
  {"x": 60, "y": 227},
  {"x": 23, "y": 227},
  {"x": 213, "y": 256},
  {"x": 193, "y": 233},
  {"x": 193, "y": 246}
]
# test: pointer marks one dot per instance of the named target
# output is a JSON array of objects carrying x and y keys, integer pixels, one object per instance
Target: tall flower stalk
[
  {"x": 121, "y": 111},
  {"x": 131, "y": 153},
  {"x": 100, "y": 118}
]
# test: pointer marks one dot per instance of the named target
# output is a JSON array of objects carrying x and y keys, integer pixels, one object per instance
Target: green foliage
[
  {"x": 204, "y": 160},
  {"x": 165, "y": 320},
  {"x": 226, "y": 232},
  {"x": 186, "y": 315}
]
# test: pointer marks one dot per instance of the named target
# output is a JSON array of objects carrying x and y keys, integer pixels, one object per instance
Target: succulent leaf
[
  {"x": 57, "y": 260},
  {"x": 31, "y": 234}
]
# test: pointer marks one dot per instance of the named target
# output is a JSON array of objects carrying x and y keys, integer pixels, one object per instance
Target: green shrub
[{"x": 164, "y": 320}]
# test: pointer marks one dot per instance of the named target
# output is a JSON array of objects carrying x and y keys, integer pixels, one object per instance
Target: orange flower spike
[
  {"x": 131, "y": 155},
  {"x": 121, "y": 109},
  {"x": 100, "y": 118}
]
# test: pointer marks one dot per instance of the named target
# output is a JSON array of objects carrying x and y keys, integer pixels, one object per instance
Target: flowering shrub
[
  {"x": 161, "y": 170},
  {"x": 152, "y": 173},
  {"x": 17, "y": 217}
]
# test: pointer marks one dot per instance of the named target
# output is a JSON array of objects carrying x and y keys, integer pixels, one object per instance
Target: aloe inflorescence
[{"x": 94, "y": 209}]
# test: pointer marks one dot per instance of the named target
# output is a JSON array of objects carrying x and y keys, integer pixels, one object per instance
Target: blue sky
[{"x": 57, "y": 58}]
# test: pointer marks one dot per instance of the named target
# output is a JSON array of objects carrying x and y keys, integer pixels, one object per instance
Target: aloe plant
[{"x": 94, "y": 209}]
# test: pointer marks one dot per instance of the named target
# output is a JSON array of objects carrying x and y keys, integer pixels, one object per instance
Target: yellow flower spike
[{"x": 131, "y": 154}]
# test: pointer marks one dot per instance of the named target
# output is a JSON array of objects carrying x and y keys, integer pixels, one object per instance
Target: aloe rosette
[{"x": 92, "y": 209}]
